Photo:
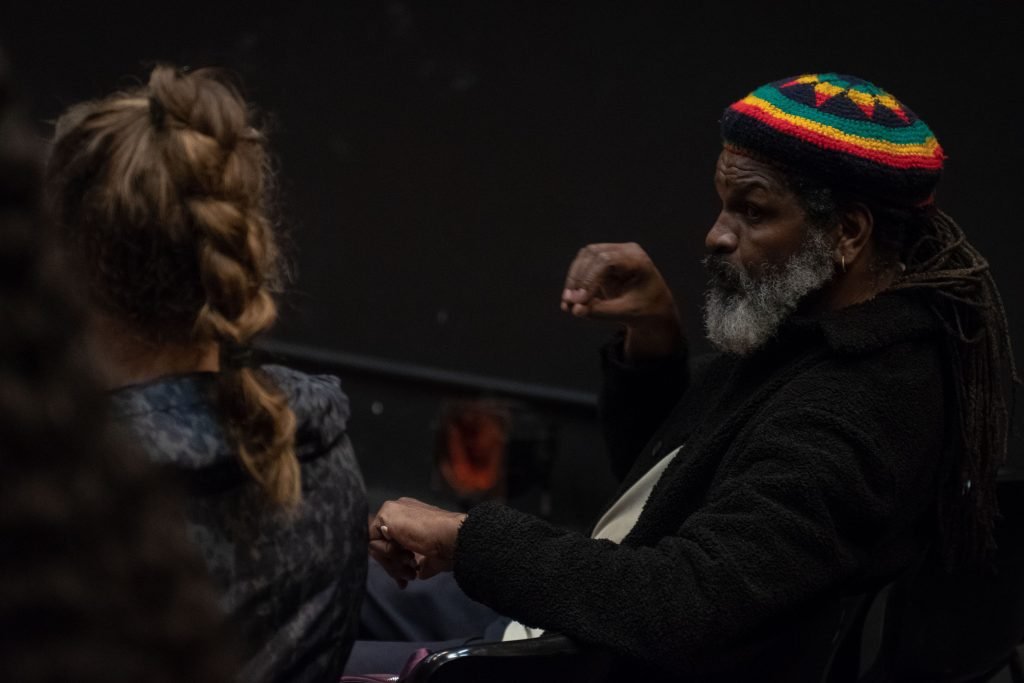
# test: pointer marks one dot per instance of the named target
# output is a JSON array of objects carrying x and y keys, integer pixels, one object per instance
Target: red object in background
[{"x": 471, "y": 453}]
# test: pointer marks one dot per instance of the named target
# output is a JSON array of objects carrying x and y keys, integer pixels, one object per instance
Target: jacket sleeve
[
  {"x": 791, "y": 521},
  {"x": 635, "y": 399}
]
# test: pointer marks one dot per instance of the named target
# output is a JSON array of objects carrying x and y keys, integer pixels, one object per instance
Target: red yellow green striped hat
[{"x": 842, "y": 130}]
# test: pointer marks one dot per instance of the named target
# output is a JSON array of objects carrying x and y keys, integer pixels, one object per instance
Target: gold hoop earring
[{"x": 843, "y": 262}]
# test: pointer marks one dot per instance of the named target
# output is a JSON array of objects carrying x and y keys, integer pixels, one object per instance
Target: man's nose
[{"x": 720, "y": 238}]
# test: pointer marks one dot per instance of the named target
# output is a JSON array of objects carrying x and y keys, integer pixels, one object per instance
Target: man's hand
[
  {"x": 619, "y": 282},
  {"x": 398, "y": 562},
  {"x": 411, "y": 539}
]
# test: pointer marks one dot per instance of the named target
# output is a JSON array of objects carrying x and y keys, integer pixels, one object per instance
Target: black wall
[{"x": 442, "y": 161}]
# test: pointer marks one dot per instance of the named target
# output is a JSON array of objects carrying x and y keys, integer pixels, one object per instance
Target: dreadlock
[
  {"x": 965, "y": 298},
  {"x": 939, "y": 262}
]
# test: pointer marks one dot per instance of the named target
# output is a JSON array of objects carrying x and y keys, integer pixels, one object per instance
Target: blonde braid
[
  {"x": 224, "y": 158},
  {"x": 239, "y": 307},
  {"x": 163, "y": 191}
]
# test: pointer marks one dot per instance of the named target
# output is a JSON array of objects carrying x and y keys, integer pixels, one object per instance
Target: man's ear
[{"x": 856, "y": 224}]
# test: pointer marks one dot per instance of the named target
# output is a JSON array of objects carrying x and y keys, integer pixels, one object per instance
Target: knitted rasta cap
[{"x": 841, "y": 130}]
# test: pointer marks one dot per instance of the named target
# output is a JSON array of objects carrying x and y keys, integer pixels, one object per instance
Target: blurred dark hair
[
  {"x": 98, "y": 581},
  {"x": 936, "y": 260}
]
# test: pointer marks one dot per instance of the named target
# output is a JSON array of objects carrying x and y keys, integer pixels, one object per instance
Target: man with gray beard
[
  {"x": 852, "y": 420},
  {"x": 742, "y": 312}
]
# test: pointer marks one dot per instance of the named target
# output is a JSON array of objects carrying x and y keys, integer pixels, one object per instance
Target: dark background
[{"x": 441, "y": 162}]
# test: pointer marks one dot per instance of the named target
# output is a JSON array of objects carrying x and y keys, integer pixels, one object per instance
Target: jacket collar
[
  {"x": 173, "y": 419},
  {"x": 890, "y": 318}
]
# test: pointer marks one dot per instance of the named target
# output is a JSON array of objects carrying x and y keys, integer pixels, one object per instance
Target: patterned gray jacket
[{"x": 293, "y": 584}]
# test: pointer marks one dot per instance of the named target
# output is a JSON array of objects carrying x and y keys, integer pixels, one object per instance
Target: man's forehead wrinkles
[
  {"x": 746, "y": 179},
  {"x": 734, "y": 172}
]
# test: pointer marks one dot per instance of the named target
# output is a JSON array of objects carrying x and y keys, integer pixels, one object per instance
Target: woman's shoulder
[
  {"x": 321, "y": 407},
  {"x": 318, "y": 396}
]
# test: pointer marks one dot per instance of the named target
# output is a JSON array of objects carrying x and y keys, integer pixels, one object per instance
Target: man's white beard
[{"x": 741, "y": 313}]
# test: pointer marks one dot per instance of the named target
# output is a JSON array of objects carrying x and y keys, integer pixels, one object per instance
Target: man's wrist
[
  {"x": 653, "y": 339},
  {"x": 458, "y": 519}
]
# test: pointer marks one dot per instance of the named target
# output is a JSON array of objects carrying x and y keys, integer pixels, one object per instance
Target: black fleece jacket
[{"x": 808, "y": 472}]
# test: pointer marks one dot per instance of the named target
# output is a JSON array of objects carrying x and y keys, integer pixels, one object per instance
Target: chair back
[{"x": 957, "y": 627}]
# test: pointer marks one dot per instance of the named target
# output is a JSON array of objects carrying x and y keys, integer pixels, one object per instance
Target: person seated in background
[
  {"x": 98, "y": 581},
  {"x": 851, "y": 421},
  {"x": 162, "y": 194}
]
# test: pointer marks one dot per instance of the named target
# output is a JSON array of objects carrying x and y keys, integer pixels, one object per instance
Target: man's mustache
[{"x": 724, "y": 275}]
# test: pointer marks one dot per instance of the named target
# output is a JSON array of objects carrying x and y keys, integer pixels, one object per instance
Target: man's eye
[{"x": 753, "y": 212}]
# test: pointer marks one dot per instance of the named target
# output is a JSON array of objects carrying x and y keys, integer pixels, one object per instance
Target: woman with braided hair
[
  {"x": 162, "y": 194},
  {"x": 98, "y": 582}
]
